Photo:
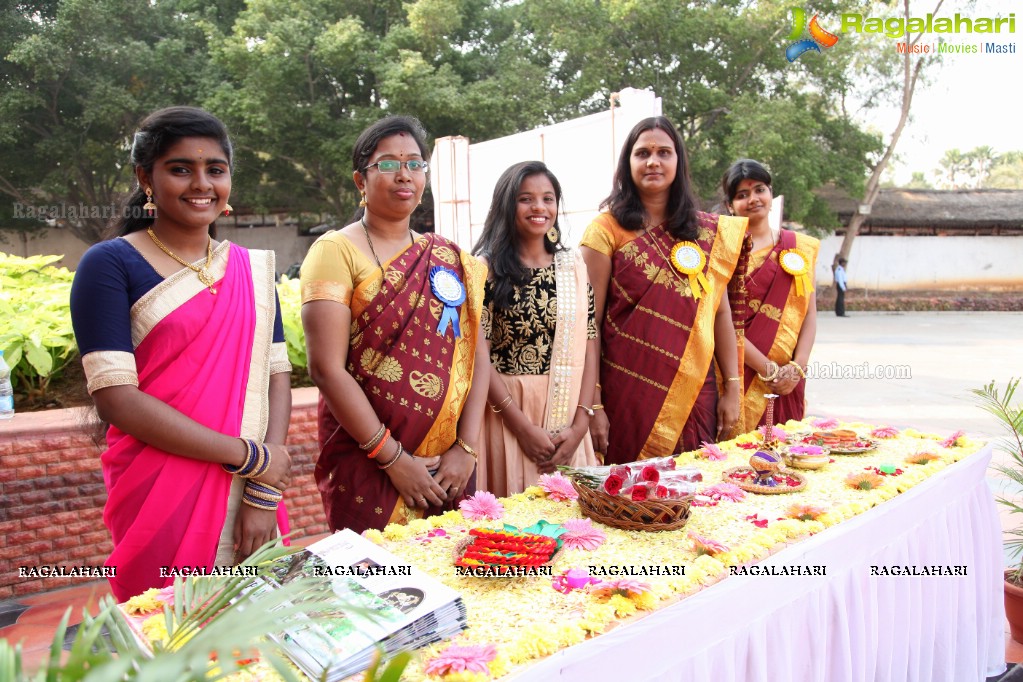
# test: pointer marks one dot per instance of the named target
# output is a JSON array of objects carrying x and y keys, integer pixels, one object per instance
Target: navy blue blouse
[{"x": 110, "y": 278}]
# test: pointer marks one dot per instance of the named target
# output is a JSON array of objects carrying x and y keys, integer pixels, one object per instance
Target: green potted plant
[{"x": 1010, "y": 416}]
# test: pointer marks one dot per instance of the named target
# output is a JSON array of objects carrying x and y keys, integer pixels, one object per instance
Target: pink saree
[{"x": 195, "y": 351}]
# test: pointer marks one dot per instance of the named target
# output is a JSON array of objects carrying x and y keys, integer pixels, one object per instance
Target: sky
[{"x": 971, "y": 100}]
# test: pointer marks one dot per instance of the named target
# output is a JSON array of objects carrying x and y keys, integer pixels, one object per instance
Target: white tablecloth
[{"x": 848, "y": 626}]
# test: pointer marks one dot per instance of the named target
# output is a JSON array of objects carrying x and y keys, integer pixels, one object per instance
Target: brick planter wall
[{"x": 52, "y": 492}]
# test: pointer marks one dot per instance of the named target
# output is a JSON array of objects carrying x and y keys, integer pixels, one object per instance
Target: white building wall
[
  {"x": 581, "y": 153},
  {"x": 887, "y": 262}
]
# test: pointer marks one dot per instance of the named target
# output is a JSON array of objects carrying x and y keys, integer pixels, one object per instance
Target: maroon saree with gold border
[
  {"x": 775, "y": 315},
  {"x": 416, "y": 379},
  {"x": 657, "y": 342}
]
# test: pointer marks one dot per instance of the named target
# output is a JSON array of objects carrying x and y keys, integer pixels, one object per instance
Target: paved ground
[
  {"x": 940, "y": 357},
  {"x": 944, "y": 354}
]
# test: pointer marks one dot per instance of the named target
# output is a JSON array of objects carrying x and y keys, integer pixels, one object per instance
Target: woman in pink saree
[{"x": 183, "y": 351}]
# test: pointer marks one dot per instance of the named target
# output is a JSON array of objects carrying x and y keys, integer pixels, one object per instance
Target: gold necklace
[
  {"x": 365, "y": 228},
  {"x": 204, "y": 272}
]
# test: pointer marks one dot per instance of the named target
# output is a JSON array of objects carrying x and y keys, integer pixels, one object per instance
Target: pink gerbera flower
[
  {"x": 712, "y": 452},
  {"x": 829, "y": 423},
  {"x": 455, "y": 659},
  {"x": 582, "y": 534},
  {"x": 776, "y": 431},
  {"x": 482, "y": 505},
  {"x": 725, "y": 491},
  {"x": 558, "y": 488},
  {"x": 950, "y": 442},
  {"x": 884, "y": 432},
  {"x": 702, "y": 545}
]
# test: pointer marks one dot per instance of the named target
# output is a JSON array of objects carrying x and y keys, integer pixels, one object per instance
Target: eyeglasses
[{"x": 392, "y": 166}]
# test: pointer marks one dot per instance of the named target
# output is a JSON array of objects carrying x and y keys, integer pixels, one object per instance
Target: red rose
[
  {"x": 650, "y": 474},
  {"x": 662, "y": 492},
  {"x": 638, "y": 493},
  {"x": 613, "y": 484},
  {"x": 620, "y": 471}
]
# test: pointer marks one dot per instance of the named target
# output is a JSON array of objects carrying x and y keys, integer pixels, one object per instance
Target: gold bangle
[
  {"x": 598, "y": 406},
  {"x": 597, "y": 386},
  {"x": 773, "y": 375},
  {"x": 372, "y": 442},
  {"x": 586, "y": 408},
  {"x": 798, "y": 368},
  {"x": 501, "y": 405},
  {"x": 462, "y": 444},
  {"x": 734, "y": 379},
  {"x": 397, "y": 456}
]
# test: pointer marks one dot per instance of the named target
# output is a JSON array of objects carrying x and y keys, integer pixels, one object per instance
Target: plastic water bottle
[{"x": 6, "y": 390}]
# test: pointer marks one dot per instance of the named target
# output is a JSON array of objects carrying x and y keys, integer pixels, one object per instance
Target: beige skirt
[{"x": 503, "y": 469}]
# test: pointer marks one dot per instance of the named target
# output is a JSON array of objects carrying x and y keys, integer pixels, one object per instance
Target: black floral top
[{"x": 521, "y": 336}]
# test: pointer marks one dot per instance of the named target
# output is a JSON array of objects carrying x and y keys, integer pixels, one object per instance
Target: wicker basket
[{"x": 621, "y": 512}]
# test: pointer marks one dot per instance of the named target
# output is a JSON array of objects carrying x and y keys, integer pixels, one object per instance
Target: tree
[
  {"x": 954, "y": 167},
  {"x": 721, "y": 71},
  {"x": 79, "y": 76},
  {"x": 1006, "y": 172},
  {"x": 919, "y": 181},
  {"x": 305, "y": 79},
  {"x": 909, "y": 76}
]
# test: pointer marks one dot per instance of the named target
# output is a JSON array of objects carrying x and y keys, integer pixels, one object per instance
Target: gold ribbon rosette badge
[
  {"x": 689, "y": 259},
  {"x": 796, "y": 264}
]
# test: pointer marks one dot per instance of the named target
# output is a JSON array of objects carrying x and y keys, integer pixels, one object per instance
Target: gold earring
[
  {"x": 149, "y": 207},
  {"x": 553, "y": 234},
  {"x": 227, "y": 209},
  {"x": 362, "y": 202}
]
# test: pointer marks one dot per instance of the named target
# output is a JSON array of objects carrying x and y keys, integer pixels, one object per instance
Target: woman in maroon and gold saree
[
  {"x": 392, "y": 323},
  {"x": 781, "y": 320},
  {"x": 659, "y": 270}
]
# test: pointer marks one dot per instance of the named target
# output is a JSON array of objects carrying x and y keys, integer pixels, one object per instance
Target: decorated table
[
  {"x": 887, "y": 566},
  {"x": 879, "y": 558}
]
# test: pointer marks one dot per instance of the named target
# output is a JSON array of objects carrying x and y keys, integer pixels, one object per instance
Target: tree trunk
[{"x": 910, "y": 74}]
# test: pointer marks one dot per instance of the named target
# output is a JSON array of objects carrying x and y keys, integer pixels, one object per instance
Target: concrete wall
[
  {"x": 52, "y": 492},
  {"x": 900, "y": 263}
]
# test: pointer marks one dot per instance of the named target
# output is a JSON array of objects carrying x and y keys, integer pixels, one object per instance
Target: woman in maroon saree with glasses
[
  {"x": 781, "y": 320},
  {"x": 392, "y": 324},
  {"x": 659, "y": 270}
]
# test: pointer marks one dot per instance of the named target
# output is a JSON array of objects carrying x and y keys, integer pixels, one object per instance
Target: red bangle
[{"x": 380, "y": 445}]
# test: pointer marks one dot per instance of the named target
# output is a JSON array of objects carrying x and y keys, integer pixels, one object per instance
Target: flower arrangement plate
[
  {"x": 804, "y": 461},
  {"x": 621, "y": 512},
  {"x": 743, "y": 477},
  {"x": 858, "y": 450},
  {"x": 843, "y": 444},
  {"x": 542, "y": 527}
]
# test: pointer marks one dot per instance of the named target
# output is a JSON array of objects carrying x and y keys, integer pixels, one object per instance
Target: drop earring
[
  {"x": 149, "y": 207},
  {"x": 227, "y": 209},
  {"x": 553, "y": 234},
  {"x": 362, "y": 202}
]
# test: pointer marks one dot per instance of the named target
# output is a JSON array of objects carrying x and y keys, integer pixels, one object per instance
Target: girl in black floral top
[{"x": 538, "y": 317}]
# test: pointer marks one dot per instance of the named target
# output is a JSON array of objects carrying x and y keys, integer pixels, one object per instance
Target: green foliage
[
  {"x": 290, "y": 294},
  {"x": 297, "y": 82},
  {"x": 35, "y": 322},
  {"x": 1010, "y": 417},
  {"x": 212, "y": 619}
]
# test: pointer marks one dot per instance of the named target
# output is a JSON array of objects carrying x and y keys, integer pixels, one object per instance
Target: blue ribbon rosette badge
[{"x": 450, "y": 291}]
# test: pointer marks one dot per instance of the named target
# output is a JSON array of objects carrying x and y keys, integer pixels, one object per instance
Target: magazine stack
[{"x": 383, "y": 603}]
